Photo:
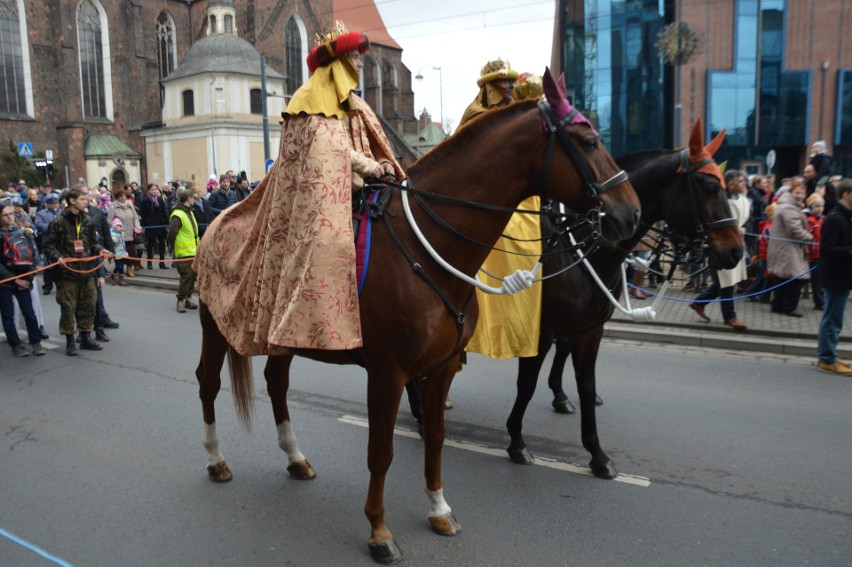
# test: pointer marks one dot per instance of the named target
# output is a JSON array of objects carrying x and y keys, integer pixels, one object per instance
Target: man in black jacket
[
  {"x": 99, "y": 219},
  {"x": 72, "y": 235},
  {"x": 836, "y": 271}
]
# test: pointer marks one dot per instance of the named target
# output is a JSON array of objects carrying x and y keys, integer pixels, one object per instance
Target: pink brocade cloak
[{"x": 277, "y": 269}]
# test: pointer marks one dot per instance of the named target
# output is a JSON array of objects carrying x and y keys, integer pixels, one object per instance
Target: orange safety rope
[{"x": 89, "y": 259}]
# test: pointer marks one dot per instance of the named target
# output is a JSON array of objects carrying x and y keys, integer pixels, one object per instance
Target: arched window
[
  {"x": 93, "y": 74},
  {"x": 212, "y": 23},
  {"x": 188, "y": 103},
  {"x": 293, "y": 49},
  {"x": 371, "y": 82},
  {"x": 390, "y": 75},
  {"x": 229, "y": 24},
  {"x": 15, "y": 86},
  {"x": 256, "y": 101},
  {"x": 166, "y": 48}
]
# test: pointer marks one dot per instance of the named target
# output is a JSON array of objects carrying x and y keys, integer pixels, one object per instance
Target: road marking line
[{"x": 468, "y": 446}]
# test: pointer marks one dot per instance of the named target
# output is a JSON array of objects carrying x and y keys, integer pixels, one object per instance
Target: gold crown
[
  {"x": 497, "y": 69},
  {"x": 331, "y": 35}
]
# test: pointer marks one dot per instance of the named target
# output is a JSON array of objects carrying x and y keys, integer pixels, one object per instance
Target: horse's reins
[
  {"x": 703, "y": 225},
  {"x": 593, "y": 192}
]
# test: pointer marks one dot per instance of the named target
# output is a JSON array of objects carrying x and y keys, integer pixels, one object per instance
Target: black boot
[
  {"x": 70, "y": 345},
  {"x": 100, "y": 336},
  {"x": 86, "y": 342},
  {"x": 44, "y": 335},
  {"x": 109, "y": 323}
]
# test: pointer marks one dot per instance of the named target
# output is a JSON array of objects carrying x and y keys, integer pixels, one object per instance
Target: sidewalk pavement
[{"x": 676, "y": 323}]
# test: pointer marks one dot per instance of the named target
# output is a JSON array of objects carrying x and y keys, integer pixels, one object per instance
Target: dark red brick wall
[{"x": 52, "y": 29}]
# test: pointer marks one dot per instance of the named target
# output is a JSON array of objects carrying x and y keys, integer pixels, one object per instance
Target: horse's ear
[
  {"x": 714, "y": 144},
  {"x": 560, "y": 84},
  {"x": 696, "y": 141},
  {"x": 551, "y": 90}
]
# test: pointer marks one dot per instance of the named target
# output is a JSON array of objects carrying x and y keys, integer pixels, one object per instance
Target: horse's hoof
[
  {"x": 445, "y": 525},
  {"x": 386, "y": 552},
  {"x": 603, "y": 470},
  {"x": 301, "y": 470},
  {"x": 598, "y": 400},
  {"x": 219, "y": 472},
  {"x": 564, "y": 407},
  {"x": 520, "y": 456}
]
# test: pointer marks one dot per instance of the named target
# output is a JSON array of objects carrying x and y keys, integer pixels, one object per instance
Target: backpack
[{"x": 17, "y": 250}]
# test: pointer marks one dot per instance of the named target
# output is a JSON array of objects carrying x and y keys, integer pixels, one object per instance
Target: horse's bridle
[
  {"x": 703, "y": 224},
  {"x": 555, "y": 126},
  {"x": 702, "y": 218}
]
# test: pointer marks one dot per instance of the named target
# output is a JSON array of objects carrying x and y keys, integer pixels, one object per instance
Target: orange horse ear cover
[{"x": 698, "y": 152}]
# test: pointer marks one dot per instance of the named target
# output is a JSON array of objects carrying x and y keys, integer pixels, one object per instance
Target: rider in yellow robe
[{"x": 508, "y": 325}]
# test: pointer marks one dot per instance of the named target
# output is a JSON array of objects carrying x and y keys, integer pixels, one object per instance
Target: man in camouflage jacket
[{"x": 72, "y": 235}]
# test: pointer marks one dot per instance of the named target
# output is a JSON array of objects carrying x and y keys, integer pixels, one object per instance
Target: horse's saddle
[{"x": 367, "y": 204}]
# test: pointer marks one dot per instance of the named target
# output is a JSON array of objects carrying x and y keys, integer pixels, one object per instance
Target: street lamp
[
  {"x": 419, "y": 77},
  {"x": 217, "y": 86}
]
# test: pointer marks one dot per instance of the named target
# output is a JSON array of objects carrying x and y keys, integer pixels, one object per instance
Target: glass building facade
[
  {"x": 761, "y": 105},
  {"x": 616, "y": 76},
  {"x": 613, "y": 72}
]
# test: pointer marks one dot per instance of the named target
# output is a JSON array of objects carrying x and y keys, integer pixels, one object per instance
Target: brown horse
[
  {"x": 672, "y": 186},
  {"x": 416, "y": 321}
]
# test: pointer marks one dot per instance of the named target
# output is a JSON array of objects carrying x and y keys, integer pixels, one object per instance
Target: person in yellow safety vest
[{"x": 183, "y": 238}]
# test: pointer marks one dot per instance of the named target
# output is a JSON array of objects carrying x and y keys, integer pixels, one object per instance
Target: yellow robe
[{"x": 509, "y": 325}]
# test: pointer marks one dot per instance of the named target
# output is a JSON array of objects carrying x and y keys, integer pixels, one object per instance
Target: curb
[{"x": 770, "y": 341}]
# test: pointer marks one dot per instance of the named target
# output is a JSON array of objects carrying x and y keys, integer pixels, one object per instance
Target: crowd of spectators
[{"x": 126, "y": 222}]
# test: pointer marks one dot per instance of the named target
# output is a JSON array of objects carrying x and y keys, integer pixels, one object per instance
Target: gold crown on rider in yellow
[{"x": 494, "y": 70}]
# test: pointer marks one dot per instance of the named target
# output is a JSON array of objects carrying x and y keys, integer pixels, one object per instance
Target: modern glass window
[
  {"x": 166, "y": 44},
  {"x": 293, "y": 53},
  {"x": 758, "y": 102},
  {"x": 613, "y": 72},
  {"x": 188, "y": 103},
  {"x": 843, "y": 133},
  {"x": 256, "y": 101},
  {"x": 13, "y": 99},
  {"x": 91, "y": 51}
]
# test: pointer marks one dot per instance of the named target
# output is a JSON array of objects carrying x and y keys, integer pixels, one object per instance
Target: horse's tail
[{"x": 242, "y": 386}]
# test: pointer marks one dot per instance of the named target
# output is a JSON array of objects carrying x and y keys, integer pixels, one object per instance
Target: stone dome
[{"x": 221, "y": 53}]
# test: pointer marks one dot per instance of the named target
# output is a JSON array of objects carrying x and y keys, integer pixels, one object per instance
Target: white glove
[{"x": 519, "y": 281}]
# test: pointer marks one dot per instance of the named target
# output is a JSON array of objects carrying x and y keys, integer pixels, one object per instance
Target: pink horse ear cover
[{"x": 556, "y": 94}]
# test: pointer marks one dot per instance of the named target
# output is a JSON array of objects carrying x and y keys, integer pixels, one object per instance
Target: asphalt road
[{"x": 729, "y": 458}]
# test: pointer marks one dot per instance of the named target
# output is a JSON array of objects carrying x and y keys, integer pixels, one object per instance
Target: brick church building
[{"x": 100, "y": 84}]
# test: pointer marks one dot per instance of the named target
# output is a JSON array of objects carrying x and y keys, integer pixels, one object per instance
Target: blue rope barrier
[
  {"x": 34, "y": 548},
  {"x": 719, "y": 300}
]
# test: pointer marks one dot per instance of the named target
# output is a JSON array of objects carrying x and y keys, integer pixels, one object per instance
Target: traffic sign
[
  {"x": 25, "y": 149},
  {"x": 269, "y": 163},
  {"x": 770, "y": 159}
]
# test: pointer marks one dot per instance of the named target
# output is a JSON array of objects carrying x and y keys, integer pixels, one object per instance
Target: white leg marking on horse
[
  {"x": 287, "y": 442},
  {"x": 211, "y": 443},
  {"x": 440, "y": 508}
]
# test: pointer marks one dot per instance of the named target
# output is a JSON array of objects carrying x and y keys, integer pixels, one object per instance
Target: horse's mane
[
  {"x": 471, "y": 131},
  {"x": 635, "y": 160}
]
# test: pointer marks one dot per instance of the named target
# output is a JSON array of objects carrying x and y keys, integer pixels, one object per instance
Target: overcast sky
[{"x": 460, "y": 36}]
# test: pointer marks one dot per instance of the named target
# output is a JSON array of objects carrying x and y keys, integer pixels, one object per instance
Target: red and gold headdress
[{"x": 335, "y": 43}]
